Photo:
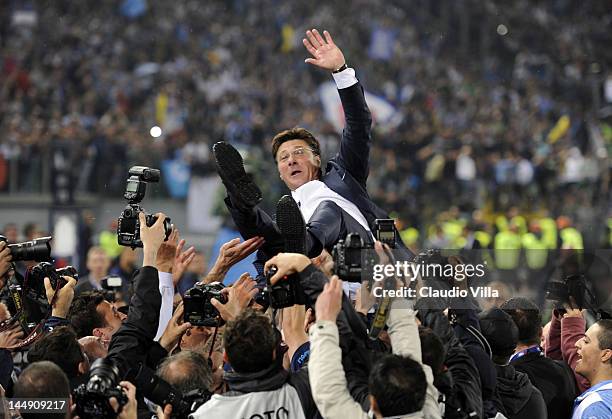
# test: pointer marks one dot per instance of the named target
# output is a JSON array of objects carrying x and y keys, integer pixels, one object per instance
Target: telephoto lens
[
  {"x": 38, "y": 250},
  {"x": 92, "y": 399}
]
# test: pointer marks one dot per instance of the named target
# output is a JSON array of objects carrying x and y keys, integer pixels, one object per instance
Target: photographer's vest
[
  {"x": 571, "y": 239},
  {"x": 507, "y": 250},
  {"x": 536, "y": 251}
]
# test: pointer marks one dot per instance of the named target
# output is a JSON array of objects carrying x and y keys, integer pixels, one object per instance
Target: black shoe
[
  {"x": 240, "y": 186},
  {"x": 291, "y": 225}
]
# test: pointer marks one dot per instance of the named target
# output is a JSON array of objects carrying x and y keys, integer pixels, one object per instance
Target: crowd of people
[
  {"x": 494, "y": 150},
  {"x": 489, "y": 116},
  {"x": 451, "y": 357}
]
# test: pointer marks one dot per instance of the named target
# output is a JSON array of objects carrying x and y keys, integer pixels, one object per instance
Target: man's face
[
  {"x": 297, "y": 164},
  {"x": 98, "y": 264},
  {"x": 112, "y": 320},
  {"x": 590, "y": 357}
]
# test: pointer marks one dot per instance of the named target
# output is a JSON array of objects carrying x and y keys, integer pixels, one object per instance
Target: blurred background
[{"x": 493, "y": 119}]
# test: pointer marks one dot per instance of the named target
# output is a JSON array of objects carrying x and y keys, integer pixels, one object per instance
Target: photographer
[
  {"x": 131, "y": 343},
  {"x": 399, "y": 384},
  {"x": 63, "y": 349},
  {"x": 5, "y": 262}
]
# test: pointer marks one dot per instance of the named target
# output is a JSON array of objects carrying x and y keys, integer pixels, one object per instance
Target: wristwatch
[{"x": 342, "y": 68}]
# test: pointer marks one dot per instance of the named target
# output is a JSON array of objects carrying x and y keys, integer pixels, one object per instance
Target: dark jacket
[
  {"x": 554, "y": 380},
  {"x": 519, "y": 398},
  {"x": 133, "y": 342},
  {"x": 461, "y": 388},
  {"x": 346, "y": 174}
]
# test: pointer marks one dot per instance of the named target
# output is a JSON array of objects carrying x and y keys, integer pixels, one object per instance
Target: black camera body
[
  {"x": 197, "y": 304},
  {"x": 128, "y": 226},
  {"x": 161, "y": 393},
  {"x": 285, "y": 293},
  {"x": 570, "y": 286},
  {"x": 38, "y": 250},
  {"x": 92, "y": 398},
  {"x": 36, "y": 277},
  {"x": 384, "y": 231},
  {"x": 353, "y": 260}
]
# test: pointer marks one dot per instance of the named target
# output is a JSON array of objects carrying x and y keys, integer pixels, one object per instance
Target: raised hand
[
  {"x": 231, "y": 253},
  {"x": 325, "y": 52},
  {"x": 181, "y": 260},
  {"x": 286, "y": 263},
  {"x": 329, "y": 302},
  {"x": 238, "y": 297}
]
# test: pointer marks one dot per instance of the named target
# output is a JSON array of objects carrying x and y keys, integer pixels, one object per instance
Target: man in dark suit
[{"x": 325, "y": 205}]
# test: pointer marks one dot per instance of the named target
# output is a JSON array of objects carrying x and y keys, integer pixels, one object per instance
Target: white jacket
[{"x": 327, "y": 379}]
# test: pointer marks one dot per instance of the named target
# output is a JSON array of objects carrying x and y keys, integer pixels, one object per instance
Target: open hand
[{"x": 326, "y": 53}]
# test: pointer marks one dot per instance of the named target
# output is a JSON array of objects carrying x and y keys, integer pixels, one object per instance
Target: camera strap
[
  {"x": 20, "y": 315},
  {"x": 384, "y": 304},
  {"x": 212, "y": 344}
]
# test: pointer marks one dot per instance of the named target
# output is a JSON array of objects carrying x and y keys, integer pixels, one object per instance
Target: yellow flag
[{"x": 559, "y": 130}]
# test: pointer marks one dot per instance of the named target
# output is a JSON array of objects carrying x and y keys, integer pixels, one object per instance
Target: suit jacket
[{"x": 347, "y": 172}]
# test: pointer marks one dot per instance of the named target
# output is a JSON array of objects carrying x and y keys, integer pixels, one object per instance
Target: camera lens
[
  {"x": 103, "y": 376},
  {"x": 37, "y": 249}
]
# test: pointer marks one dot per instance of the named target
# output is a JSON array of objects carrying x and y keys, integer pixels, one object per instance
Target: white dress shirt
[{"x": 166, "y": 289}]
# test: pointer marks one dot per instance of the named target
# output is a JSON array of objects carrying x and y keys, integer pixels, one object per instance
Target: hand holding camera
[
  {"x": 5, "y": 258},
  {"x": 63, "y": 296},
  {"x": 286, "y": 264},
  {"x": 129, "y": 226},
  {"x": 152, "y": 237},
  {"x": 238, "y": 297},
  {"x": 130, "y": 410}
]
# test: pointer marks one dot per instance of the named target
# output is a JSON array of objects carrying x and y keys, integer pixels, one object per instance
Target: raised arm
[{"x": 356, "y": 136}]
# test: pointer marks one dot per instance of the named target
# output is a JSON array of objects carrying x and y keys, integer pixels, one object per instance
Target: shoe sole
[
  {"x": 291, "y": 225},
  {"x": 231, "y": 169}
]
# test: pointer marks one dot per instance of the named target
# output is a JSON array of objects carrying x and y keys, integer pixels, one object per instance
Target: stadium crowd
[
  {"x": 497, "y": 148},
  {"x": 489, "y": 116}
]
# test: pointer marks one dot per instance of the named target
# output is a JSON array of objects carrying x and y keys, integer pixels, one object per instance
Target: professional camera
[
  {"x": 111, "y": 285},
  {"x": 286, "y": 292},
  {"x": 36, "y": 278},
  {"x": 37, "y": 249},
  {"x": 92, "y": 399},
  {"x": 128, "y": 228},
  {"x": 162, "y": 393},
  {"x": 574, "y": 286},
  {"x": 353, "y": 260},
  {"x": 197, "y": 306},
  {"x": 384, "y": 231}
]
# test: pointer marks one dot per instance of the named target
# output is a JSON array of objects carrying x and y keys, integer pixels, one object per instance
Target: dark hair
[
  {"x": 398, "y": 384},
  {"x": 296, "y": 133},
  {"x": 249, "y": 342},
  {"x": 186, "y": 371},
  {"x": 605, "y": 334},
  {"x": 42, "y": 380},
  {"x": 527, "y": 317},
  {"x": 501, "y": 332},
  {"x": 60, "y": 347},
  {"x": 83, "y": 315},
  {"x": 432, "y": 349}
]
